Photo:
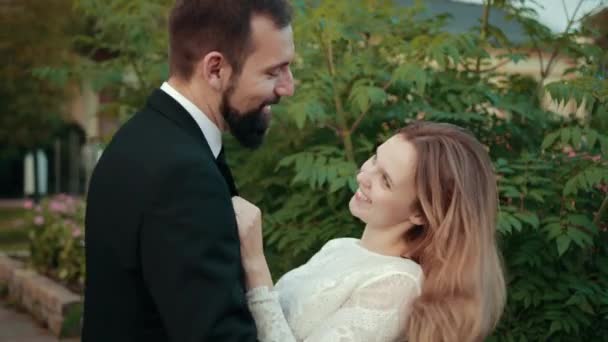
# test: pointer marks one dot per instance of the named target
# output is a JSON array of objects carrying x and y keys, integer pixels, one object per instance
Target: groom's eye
[{"x": 273, "y": 73}]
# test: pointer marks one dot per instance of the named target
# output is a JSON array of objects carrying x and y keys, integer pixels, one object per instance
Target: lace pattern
[{"x": 343, "y": 294}]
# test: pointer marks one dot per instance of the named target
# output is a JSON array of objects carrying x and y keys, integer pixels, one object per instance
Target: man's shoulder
[
  {"x": 149, "y": 126},
  {"x": 151, "y": 156},
  {"x": 149, "y": 133}
]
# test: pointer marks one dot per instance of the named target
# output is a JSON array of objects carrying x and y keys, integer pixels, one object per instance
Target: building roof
[
  {"x": 599, "y": 21},
  {"x": 467, "y": 16}
]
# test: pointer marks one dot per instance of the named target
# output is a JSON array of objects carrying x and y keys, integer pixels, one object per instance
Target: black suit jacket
[{"x": 162, "y": 247}]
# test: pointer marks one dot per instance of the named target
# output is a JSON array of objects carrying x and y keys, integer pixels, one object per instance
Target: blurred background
[{"x": 528, "y": 77}]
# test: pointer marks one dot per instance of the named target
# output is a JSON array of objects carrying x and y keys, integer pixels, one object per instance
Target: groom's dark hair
[{"x": 197, "y": 27}]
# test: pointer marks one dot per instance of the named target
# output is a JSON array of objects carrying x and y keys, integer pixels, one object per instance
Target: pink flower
[
  {"x": 76, "y": 233},
  {"x": 28, "y": 204},
  {"x": 39, "y": 220},
  {"x": 57, "y": 207},
  {"x": 38, "y": 208},
  {"x": 70, "y": 201}
]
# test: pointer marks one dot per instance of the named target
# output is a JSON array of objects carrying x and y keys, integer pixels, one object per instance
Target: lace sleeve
[
  {"x": 268, "y": 315},
  {"x": 375, "y": 312}
]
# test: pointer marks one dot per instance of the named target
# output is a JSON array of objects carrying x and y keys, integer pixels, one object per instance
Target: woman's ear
[
  {"x": 417, "y": 219},
  {"x": 215, "y": 70}
]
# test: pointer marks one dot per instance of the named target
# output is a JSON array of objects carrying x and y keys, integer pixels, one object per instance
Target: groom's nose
[{"x": 285, "y": 86}]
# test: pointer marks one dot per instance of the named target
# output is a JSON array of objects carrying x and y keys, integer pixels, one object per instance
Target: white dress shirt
[{"x": 212, "y": 133}]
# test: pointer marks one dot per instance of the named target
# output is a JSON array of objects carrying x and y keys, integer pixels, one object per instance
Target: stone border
[{"x": 55, "y": 306}]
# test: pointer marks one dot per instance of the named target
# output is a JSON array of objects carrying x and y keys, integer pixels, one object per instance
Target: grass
[{"x": 13, "y": 233}]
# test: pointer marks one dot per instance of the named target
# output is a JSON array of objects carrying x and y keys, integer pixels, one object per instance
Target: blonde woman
[{"x": 426, "y": 268}]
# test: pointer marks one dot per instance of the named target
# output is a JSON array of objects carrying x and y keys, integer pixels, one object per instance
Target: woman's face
[{"x": 387, "y": 191}]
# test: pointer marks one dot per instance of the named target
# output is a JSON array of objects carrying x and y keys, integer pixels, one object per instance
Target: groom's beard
[{"x": 248, "y": 128}]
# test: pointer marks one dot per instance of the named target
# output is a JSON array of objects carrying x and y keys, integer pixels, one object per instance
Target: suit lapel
[{"x": 225, "y": 170}]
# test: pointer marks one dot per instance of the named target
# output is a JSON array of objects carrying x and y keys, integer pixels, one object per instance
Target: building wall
[{"x": 532, "y": 67}]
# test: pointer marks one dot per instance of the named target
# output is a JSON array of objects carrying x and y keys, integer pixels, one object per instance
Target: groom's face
[{"x": 264, "y": 78}]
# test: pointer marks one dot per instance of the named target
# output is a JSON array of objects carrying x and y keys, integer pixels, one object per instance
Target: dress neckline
[{"x": 357, "y": 243}]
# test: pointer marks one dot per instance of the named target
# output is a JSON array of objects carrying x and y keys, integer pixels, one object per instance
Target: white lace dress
[{"x": 344, "y": 293}]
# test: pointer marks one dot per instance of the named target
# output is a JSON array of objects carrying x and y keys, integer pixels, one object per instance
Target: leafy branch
[{"x": 344, "y": 132}]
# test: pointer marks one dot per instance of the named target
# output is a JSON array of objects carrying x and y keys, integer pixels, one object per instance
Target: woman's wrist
[
  {"x": 253, "y": 263},
  {"x": 257, "y": 273}
]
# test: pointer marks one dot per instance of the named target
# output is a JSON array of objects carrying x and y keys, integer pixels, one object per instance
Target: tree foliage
[
  {"x": 366, "y": 68},
  {"x": 34, "y": 34}
]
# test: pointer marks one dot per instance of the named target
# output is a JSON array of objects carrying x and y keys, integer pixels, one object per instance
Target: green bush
[
  {"x": 13, "y": 236},
  {"x": 57, "y": 239},
  {"x": 365, "y": 69}
]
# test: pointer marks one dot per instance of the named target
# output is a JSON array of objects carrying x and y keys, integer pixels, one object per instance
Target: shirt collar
[{"x": 212, "y": 133}]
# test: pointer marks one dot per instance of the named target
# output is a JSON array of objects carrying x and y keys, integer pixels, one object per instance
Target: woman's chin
[{"x": 355, "y": 211}]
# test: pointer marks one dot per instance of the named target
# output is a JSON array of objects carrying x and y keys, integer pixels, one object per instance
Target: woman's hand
[{"x": 249, "y": 220}]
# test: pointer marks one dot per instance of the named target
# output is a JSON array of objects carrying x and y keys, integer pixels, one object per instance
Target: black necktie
[{"x": 225, "y": 170}]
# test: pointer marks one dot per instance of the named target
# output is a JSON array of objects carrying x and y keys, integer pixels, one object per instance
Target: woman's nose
[{"x": 363, "y": 178}]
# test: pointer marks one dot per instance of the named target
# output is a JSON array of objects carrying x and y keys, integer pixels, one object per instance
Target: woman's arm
[
  {"x": 375, "y": 311},
  {"x": 263, "y": 302},
  {"x": 249, "y": 220}
]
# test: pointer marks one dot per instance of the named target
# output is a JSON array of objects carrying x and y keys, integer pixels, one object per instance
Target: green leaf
[
  {"x": 515, "y": 223},
  {"x": 553, "y": 230},
  {"x": 604, "y": 142},
  {"x": 377, "y": 95},
  {"x": 582, "y": 239},
  {"x": 565, "y": 134},
  {"x": 337, "y": 184},
  {"x": 538, "y": 195},
  {"x": 586, "y": 307},
  {"x": 571, "y": 186},
  {"x": 410, "y": 73},
  {"x": 555, "y": 327},
  {"x": 576, "y": 137},
  {"x": 563, "y": 243},
  {"x": 580, "y": 220},
  {"x": 504, "y": 225},
  {"x": 509, "y": 191},
  {"x": 529, "y": 218},
  {"x": 591, "y": 138},
  {"x": 594, "y": 176},
  {"x": 300, "y": 118},
  {"x": 550, "y": 140},
  {"x": 574, "y": 300},
  {"x": 363, "y": 96},
  {"x": 63, "y": 273}
]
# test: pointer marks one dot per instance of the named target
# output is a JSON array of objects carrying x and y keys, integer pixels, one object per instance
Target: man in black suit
[{"x": 162, "y": 247}]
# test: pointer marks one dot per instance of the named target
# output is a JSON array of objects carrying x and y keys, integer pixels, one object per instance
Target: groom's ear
[{"x": 215, "y": 70}]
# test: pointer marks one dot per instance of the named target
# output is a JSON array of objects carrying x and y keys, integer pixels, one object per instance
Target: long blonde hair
[{"x": 463, "y": 294}]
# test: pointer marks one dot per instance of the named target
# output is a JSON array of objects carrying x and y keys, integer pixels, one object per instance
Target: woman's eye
[{"x": 386, "y": 182}]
